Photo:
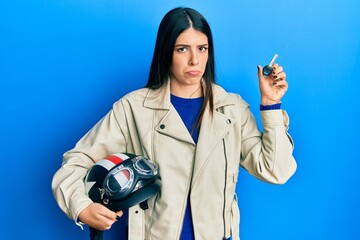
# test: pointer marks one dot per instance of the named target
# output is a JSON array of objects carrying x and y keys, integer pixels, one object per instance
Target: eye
[
  {"x": 181, "y": 49},
  {"x": 203, "y": 49}
]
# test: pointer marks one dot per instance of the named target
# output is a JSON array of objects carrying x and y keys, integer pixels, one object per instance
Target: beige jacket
[{"x": 145, "y": 123}]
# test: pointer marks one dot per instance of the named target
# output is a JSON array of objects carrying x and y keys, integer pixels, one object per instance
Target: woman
[{"x": 196, "y": 132}]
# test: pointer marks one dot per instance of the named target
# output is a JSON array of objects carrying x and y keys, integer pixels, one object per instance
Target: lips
[{"x": 193, "y": 73}]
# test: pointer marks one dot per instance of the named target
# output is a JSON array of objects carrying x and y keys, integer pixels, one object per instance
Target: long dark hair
[{"x": 172, "y": 25}]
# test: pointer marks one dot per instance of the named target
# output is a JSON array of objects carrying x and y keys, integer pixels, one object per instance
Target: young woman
[{"x": 197, "y": 133}]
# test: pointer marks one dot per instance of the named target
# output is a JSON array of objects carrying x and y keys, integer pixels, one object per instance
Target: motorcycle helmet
[{"x": 122, "y": 180}]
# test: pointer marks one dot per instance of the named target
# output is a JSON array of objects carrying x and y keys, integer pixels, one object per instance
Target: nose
[{"x": 194, "y": 60}]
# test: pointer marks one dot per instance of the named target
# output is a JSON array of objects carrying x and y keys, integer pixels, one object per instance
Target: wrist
[{"x": 267, "y": 102}]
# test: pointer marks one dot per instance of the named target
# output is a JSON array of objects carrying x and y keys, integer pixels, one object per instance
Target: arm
[
  {"x": 268, "y": 156},
  {"x": 68, "y": 182}
]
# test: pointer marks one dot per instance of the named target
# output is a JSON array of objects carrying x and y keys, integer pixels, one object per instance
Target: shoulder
[
  {"x": 137, "y": 95},
  {"x": 225, "y": 98},
  {"x": 133, "y": 98}
]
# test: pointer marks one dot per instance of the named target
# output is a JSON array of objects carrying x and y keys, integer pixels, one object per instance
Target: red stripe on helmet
[{"x": 117, "y": 160}]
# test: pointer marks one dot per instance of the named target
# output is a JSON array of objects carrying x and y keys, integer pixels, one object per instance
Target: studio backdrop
[{"x": 64, "y": 63}]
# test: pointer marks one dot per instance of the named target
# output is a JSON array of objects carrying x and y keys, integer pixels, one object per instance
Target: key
[{"x": 267, "y": 70}]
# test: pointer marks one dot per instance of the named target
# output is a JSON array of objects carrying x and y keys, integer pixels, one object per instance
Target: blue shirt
[{"x": 188, "y": 109}]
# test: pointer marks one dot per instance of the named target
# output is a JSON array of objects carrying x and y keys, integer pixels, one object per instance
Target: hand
[
  {"x": 97, "y": 216},
  {"x": 273, "y": 87}
]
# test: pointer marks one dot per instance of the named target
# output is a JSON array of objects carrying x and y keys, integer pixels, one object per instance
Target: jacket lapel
[
  {"x": 172, "y": 126},
  {"x": 167, "y": 122},
  {"x": 213, "y": 130}
]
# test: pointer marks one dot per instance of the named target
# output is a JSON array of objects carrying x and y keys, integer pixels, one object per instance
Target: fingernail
[
  {"x": 258, "y": 67},
  {"x": 275, "y": 77}
]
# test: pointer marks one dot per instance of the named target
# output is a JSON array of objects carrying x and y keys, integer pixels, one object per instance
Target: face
[{"x": 189, "y": 59}]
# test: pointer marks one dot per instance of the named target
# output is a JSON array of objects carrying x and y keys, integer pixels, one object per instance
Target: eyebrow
[{"x": 186, "y": 45}]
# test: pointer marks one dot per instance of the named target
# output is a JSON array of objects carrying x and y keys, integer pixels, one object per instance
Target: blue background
[{"x": 63, "y": 64}]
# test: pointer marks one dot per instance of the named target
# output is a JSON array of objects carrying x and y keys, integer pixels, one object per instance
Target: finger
[
  {"x": 277, "y": 70},
  {"x": 278, "y": 77},
  {"x": 282, "y": 85},
  {"x": 275, "y": 65},
  {"x": 108, "y": 220},
  {"x": 105, "y": 212},
  {"x": 118, "y": 215},
  {"x": 260, "y": 74}
]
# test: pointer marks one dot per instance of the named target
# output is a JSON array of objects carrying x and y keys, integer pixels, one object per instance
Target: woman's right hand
[{"x": 98, "y": 216}]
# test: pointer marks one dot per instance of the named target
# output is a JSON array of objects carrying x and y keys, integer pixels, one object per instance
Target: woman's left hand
[{"x": 273, "y": 87}]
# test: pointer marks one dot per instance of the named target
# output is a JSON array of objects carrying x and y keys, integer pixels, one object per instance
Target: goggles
[
  {"x": 127, "y": 177},
  {"x": 123, "y": 180}
]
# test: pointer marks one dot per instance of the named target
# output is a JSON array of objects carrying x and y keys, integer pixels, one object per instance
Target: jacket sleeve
[
  {"x": 268, "y": 155},
  {"x": 105, "y": 138}
]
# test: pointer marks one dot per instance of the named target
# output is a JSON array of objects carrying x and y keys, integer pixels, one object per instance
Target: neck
[{"x": 187, "y": 91}]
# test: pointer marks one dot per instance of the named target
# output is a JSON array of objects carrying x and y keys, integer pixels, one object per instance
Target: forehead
[{"x": 192, "y": 37}]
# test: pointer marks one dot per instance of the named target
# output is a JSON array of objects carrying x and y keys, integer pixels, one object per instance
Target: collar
[{"x": 160, "y": 98}]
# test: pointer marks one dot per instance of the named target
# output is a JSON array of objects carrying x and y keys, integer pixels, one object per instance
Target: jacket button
[
  {"x": 162, "y": 126},
  {"x": 228, "y": 121}
]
